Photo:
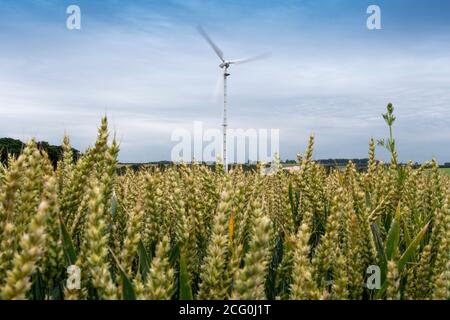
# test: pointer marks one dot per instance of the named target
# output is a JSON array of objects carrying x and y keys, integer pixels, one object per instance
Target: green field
[{"x": 445, "y": 170}]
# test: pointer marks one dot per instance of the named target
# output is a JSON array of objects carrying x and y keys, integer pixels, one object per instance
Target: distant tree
[
  {"x": 9, "y": 146},
  {"x": 15, "y": 147}
]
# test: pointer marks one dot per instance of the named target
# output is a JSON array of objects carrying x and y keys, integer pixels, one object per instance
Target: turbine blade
[
  {"x": 217, "y": 95},
  {"x": 211, "y": 43},
  {"x": 258, "y": 57}
]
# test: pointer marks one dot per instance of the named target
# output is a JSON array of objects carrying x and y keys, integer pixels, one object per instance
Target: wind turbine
[{"x": 225, "y": 65}]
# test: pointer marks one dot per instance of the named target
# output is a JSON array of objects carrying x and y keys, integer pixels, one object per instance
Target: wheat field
[{"x": 194, "y": 232}]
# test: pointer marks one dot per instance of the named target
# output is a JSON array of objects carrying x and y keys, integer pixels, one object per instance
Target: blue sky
[{"x": 145, "y": 66}]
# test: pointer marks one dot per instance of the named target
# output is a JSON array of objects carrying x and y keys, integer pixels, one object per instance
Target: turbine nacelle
[{"x": 225, "y": 64}]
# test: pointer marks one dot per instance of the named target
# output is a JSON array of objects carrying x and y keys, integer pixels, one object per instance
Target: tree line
[{"x": 14, "y": 147}]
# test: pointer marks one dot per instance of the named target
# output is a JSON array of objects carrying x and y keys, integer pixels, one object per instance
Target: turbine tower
[{"x": 225, "y": 65}]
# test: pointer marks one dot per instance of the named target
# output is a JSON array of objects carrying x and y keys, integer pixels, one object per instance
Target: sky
[{"x": 144, "y": 65}]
